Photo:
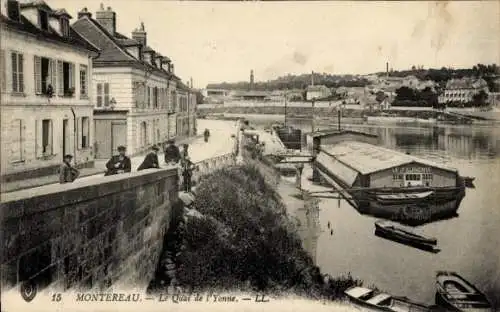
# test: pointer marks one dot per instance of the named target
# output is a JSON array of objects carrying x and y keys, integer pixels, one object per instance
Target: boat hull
[
  {"x": 402, "y": 236},
  {"x": 441, "y": 204}
]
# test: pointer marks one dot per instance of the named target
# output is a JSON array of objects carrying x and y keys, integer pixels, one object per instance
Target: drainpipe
[{"x": 74, "y": 134}]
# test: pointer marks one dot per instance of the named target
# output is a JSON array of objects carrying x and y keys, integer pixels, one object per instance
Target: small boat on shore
[
  {"x": 456, "y": 293},
  {"x": 372, "y": 300},
  {"x": 402, "y": 198},
  {"x": 403, "y": 234}
]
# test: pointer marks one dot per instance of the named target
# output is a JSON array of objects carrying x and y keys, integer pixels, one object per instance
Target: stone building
[
  {"x": 135, "y": 87},
  {"x": 46, "y": 96},
  {"x": 462, "y": 90},
  {"x": 185, "y": 112}
]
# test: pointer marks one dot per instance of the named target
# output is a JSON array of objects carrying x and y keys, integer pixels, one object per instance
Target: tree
[{"x": 480, "y": 99}]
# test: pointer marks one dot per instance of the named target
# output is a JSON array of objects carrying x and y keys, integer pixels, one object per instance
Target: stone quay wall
[{"x": 92, "y": 233}]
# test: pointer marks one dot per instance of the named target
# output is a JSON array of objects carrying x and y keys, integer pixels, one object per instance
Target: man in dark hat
[
  {"x": 67, "y": 173},
  {"x": 151, "y": 159},
  {"x": 172, "y": 153},
  {"x": 119, "y": 163}
]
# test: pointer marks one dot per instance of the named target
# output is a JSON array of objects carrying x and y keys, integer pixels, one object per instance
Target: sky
[{"x": 223, "y": 41}]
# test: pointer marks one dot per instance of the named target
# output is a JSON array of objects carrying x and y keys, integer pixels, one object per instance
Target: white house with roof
[
  {"x": 46, "y": 104},
  {"x": 317, "y": 92},
  {"x": 462, "y": 90}
]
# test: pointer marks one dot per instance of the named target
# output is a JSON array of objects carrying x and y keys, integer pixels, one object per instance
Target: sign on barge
[{"x": 384, "y": 182}]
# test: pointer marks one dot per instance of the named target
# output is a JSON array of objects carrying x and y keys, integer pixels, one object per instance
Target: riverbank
[
  {"x": 351, "y": 115},
  {"x": 238, "y": 236}
]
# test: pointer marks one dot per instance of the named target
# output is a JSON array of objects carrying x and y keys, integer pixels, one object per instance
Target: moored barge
[{"x": 385, "y": 182}]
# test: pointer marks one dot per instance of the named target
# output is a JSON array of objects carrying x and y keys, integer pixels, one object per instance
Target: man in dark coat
[
  {"x": 119, "y": 163},
  {"x": 172, "y": 153},
  {"x": 187, "y": 173},
  {"x": 151, "y": 159},
  {"x": 67, "y": 173}
]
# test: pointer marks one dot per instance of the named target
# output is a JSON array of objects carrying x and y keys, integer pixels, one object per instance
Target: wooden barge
[{"x": 384, "y": 182}]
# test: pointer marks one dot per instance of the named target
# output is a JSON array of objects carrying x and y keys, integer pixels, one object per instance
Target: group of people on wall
[{"x": 121, "y": 163}]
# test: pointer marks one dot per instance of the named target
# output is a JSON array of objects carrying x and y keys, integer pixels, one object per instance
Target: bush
[{"x": 245, "y": 241}]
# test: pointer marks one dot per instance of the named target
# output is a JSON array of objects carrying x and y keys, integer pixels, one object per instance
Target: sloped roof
[
  {"x": 317, "y": 88},
  {"x": 465, "y": 83},
  {"x": 367, "y": 158},
  {"x": 24, "y": 25}
]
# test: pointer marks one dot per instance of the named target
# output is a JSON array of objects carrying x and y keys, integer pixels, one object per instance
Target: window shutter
[
  {"x": 51, "y": 138},
  {"x": 23, "y": 139},
  {"x": 53, "y": 68},
  {"x": 14, "y": 72},
  {"x": 71, "y": 75},
  {"x": 38, "y": 138},
  {"x": 20, "y": 72},
  {"x": 4, "y": 71},
  {"x": 106, "y": 94},
  {"x": 79, "y": 132},
  {"x": 60, "y": 78},
  {"x": 38, "y": 74},
  {"x": 99, "y": 94}
]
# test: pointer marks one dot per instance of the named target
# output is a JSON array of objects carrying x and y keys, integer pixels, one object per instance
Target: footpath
[{"x": 220, "y": 143}]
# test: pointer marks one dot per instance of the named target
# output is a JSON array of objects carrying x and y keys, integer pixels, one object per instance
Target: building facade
[
  {"x": 136, "y": 96},
  {"x": 317, "y": 92},
  {"x": 462, "y": 90},
  {"x": 46, "y": 104}
]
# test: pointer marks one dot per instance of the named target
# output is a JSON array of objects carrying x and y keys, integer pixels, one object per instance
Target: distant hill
[
  {"x": 294, "y": 82},
  {"x": 487, "y": 72}
]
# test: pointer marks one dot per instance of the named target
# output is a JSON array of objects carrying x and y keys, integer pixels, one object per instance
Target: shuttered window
[
  {"x": 85, "y": 132},
  {"x": 47, "y": 137},
  {"x": 102, "y": 94},
  {"x": 60, "y": 80},
  {"x": 3, "y": 77},
  {"x": 17, "y": 72},
  {"x": 38, "y": 74},
  {"x": 83, "y": 81},
  {"x": 17, "y": 135}
]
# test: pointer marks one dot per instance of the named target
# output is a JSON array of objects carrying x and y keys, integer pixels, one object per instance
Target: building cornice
[{"x": 51, "y": 41}]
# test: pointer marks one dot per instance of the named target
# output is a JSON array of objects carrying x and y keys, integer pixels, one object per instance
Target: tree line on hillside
[
  {"x": 488, "y": 72},
  {"x": 295, "y": 82}
]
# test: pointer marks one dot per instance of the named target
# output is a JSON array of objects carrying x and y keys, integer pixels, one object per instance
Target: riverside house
[
  {"x": 462, "y": 90},
  {"x": 46, "y": 99},
  {"x": 135, "y": 87}
]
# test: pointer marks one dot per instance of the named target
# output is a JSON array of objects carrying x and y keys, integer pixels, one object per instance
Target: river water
[{"x": 469, "y": 243}]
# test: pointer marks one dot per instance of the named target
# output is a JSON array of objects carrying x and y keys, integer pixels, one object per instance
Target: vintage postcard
[{"x": 250, "y": 155}]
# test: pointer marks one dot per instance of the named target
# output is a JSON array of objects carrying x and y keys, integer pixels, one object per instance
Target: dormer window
[
  {"x": 43, "y": 18},
  {"x": 65, "y": 27}
]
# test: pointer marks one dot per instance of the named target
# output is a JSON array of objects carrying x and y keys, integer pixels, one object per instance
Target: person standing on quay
[
  {"x": 172, "y": 153},
  {"x": 151, "y": 159},
  {"x": 187, "y": 174},
  {"x": 119, "y": 163},
  {"x": 67, "y": 173}
]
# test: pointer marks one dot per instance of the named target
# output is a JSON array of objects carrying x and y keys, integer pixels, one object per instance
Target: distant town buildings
[
  {"x": 47, "y": 107},
  {"x": 317, "y": 92},
  {"x": 462, "y": 90}
]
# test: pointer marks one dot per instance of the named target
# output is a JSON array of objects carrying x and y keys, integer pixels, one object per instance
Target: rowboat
[
  {"x": 402, "y": 198},
  {"x": 456, "y": 293},
  {"x": 372, "y": 300},
  {"x": 403, "y": 234}
]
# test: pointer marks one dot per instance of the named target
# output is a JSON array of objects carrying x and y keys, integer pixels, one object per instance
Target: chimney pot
[
  {"x": 109, "y": 8},
  {"x": 102, "y": 7}
]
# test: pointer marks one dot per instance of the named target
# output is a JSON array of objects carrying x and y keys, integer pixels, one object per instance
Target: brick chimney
[
  {"x": 139, "y": 34},
  {"x": 84, "y": 12},
  {"x": 107, "y": 19}
]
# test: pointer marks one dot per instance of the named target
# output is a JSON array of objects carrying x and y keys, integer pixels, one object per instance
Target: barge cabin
[{"x": 388, "y": 183}]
